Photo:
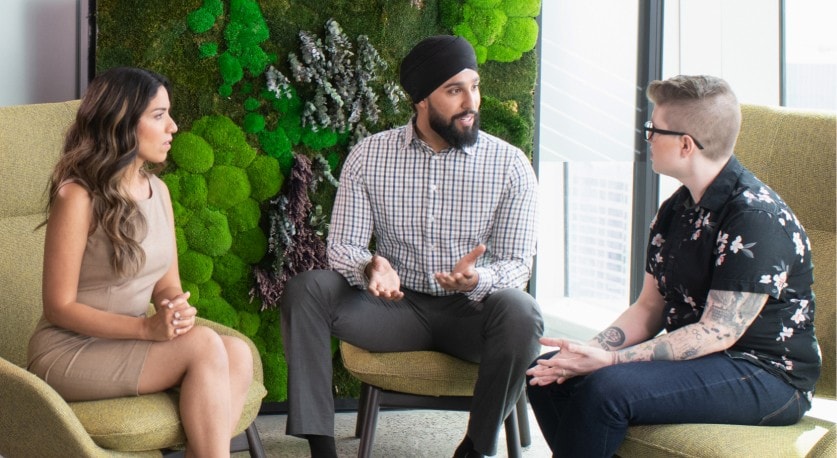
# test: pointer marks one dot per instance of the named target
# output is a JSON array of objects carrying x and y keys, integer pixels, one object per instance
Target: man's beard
[{"x": 450, "y": 133}]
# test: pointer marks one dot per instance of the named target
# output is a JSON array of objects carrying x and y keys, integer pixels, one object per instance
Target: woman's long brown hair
[{"x": 99, "y": 147}]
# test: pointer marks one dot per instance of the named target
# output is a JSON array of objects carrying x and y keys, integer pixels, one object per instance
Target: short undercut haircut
[{"x": 704, "y": 106}]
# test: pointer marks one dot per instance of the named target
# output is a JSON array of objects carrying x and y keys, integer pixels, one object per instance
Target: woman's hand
[
  {"x": 174, "y": 318},
  {"x": 572, "y": 359}
]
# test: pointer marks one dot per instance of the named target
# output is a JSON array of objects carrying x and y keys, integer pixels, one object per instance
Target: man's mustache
[{"x": 465, "y": 113}]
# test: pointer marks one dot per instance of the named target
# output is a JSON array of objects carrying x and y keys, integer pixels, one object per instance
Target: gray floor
[{"x": 402, "y": 433}]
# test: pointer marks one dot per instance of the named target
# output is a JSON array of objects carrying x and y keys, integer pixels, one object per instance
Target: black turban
[{"x": 432, "y": 62}]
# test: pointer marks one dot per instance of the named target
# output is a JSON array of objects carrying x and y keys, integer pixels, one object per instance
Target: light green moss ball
[
  {"x": 208, "y": 232},
  {"x": 193, "y": 190},
  {"x": 226, "y": 186},
  {"x": 192, "y": 153},
  {"x": 265, "y": 177},
  {"x": 195, "y": 267},
  {"x": 243, "y": 216},
  {"x": 229, "y": 269}
]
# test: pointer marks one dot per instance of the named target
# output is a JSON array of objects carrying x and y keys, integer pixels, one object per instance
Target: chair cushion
[
  {"x": 426, "y": 373},
  {"x": 147, "y": 422},
  {"x": 138, "y": 423},
  {"x": 702, "y": 440}
]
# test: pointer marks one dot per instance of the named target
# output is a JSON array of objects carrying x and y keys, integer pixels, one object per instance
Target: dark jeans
[
  {"x": 501, "y": 333},
  {"x": 589, "y": 416}
]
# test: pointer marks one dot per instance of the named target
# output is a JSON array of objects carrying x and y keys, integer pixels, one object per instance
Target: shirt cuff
[
  {"x": 484, "y": 284},
  {"x": 359, "y": 274}
]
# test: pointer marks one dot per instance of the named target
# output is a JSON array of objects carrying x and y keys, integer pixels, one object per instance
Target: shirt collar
[
  {"x": 411, "y": 134},
  {"x": 722, "y": 187}
]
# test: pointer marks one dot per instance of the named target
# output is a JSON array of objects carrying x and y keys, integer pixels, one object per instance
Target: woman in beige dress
[{"x": 109, "y": 251}]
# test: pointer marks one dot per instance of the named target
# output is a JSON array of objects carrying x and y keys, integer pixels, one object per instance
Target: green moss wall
[{"x": 224, "y": 179}]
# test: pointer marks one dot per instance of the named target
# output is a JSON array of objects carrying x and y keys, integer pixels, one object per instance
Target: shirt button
[
  {"x": 433, "y": 187},
  {"x": 431, "y": 219}
]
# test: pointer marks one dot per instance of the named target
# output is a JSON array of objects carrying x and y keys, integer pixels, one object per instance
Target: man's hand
[
  {"x": 463, "y": 277},
  {"x": 383, "y": 279}
]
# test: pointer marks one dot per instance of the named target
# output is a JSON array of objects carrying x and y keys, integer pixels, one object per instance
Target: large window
[
  {"x": 771, "y": 52},
  {"x": 585, "y": 162},
  {"x": 810, "y": 54}
]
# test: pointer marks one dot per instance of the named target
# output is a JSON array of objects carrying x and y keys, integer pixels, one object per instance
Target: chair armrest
[{"x": 36, "y": 421}]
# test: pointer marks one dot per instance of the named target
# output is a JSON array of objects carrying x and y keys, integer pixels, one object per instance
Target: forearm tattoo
[
  {"x": 728, "y": 313},
  {"x": 662, "y": 352},
  {"x": 611, "y": 338},
  {"x": 733, "y": 310}
]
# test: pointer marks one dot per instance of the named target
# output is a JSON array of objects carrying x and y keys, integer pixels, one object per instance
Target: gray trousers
[{"x": 500, "y": 333}]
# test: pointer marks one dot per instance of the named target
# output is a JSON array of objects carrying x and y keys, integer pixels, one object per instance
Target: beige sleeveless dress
[{"x": 82, "y": 368}]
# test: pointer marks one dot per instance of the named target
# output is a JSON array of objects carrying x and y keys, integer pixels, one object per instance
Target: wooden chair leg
[
  {"x": 371, "y": 407},
  {"x": 248, "y": 441},
  {"x": 523, "y": 421},
  {"x": 254, "y": 441},
  {"x": 513, "y": 435},
  {"x": 361, "y": 408}
]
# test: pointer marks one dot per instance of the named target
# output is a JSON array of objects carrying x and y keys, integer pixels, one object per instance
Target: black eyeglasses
[{"x": 650, "y": 130}]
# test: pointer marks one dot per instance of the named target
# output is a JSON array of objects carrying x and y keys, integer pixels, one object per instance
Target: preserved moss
[{"x": 171, "y": 38}]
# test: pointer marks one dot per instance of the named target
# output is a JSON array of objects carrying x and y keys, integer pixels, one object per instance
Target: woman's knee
[
  {"x": 205, "y": 346},
  {"x": 240, "y": 357}
]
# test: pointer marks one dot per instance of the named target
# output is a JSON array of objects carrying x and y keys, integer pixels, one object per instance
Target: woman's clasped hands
[{"x": 174, "y": 318}]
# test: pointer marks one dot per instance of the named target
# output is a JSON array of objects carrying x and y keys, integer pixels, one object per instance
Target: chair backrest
[
  {"x": 794, "y": 151},
  {"x": 31, "y": 137}
]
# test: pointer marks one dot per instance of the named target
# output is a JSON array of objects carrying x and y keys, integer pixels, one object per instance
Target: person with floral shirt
[{"x": 728, "y": 278}]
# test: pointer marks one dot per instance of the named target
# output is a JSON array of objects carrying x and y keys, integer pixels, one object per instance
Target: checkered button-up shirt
[{"x": 427, "y": 210}]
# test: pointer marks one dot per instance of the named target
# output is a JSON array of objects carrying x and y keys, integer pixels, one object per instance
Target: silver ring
[{"x": 563, "y": 372}]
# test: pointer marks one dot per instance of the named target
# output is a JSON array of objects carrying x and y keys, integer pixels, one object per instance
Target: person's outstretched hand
[
  {"x": 383, "y": 279},
  {"x": 464, "y": 276}
]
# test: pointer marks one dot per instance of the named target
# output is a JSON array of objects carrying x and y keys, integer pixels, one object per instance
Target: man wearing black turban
[
  {"x": 430, "y": 64},
  {"x": 452, "y": 210}
]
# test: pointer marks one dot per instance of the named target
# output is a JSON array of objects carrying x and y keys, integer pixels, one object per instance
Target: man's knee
[
  {"x": 514, "y": 299},
  {"x": 306, "y": 285},
  {"x": 517, "y": 309}
]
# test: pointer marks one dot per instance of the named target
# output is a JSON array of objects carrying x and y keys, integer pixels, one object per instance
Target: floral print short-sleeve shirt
[{"x": 741, "y": 236}]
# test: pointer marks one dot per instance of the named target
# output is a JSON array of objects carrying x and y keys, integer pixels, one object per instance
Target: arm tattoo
[
  {"x": 662, "y": 352},
  {"x": 611, "y": 338},
  {"x": 734, "y": 310},
  {"x": 727, "y": 316}
]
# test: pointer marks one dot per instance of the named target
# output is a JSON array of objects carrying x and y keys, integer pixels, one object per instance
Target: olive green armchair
[
  {"x": 793, "y": 151},
  {"x": 34, "y": 419},
  {"x": 420, "y": 380}
]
